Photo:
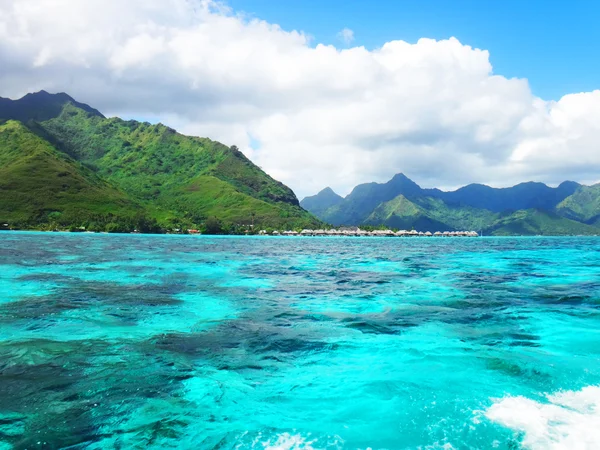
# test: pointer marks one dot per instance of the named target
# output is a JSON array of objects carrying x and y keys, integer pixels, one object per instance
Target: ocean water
[{"x": 195, "y": 342}]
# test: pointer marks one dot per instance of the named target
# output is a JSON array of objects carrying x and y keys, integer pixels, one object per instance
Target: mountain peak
[
  {"x": 42, "y": 93},
  {"x": 40, "y": 106},
  {"x": 59, "y": 96},
  {"x": 401, "y": 184},
  {"x": 569, "y": 184},
  {"x": 327, "y": 191},
  {"x": 320, "y": 202},
  {"x": 36, "y": 94},
  {"x": 401, "y": 179},
  {"x": 41, "y": 97}
]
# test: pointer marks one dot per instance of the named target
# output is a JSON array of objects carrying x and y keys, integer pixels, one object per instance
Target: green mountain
[
  {"x": 583, "y": 205},
  {"x": 538, "y": 222},
  {"x": 527, "y": 208},
  {"x": 170, "y": 178},
  {"x": 364, "y": 198},
  {"x": 37, "y": 183},
  {"x": 430, "y": 214},
  {"x": 360, "y": 203},
  {"x": 40, "y": 106},
  {"x": 321, "y": 202},
  {"x": 522, "y": 196}
]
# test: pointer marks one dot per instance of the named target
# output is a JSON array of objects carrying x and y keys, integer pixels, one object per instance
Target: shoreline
[{"x": 281, "y": 236}]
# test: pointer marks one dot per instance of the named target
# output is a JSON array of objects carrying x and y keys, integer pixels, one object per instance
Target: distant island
[
  {"x": 63, "y": 165},
  {"x": 525, "y": 209}
]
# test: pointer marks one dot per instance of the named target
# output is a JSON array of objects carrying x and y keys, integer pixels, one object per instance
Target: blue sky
[{"x": 554, "y": 44}]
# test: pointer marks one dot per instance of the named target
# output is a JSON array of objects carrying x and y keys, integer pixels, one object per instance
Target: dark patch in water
[
  {"x": 90, "y": 295},
  {"x": 47, "y": 277},
  {"x": 514, "y": 369},
  {"x": 368, "y": 327},
  {"x": 487, "y": 280},
  {"x": 191, "y": 344},
  {"x": 572, "y": 300},
  {"x": 65, "y": 393},
  {"x": 390, "y": 325},
  {"x": 292, "y": 345}
]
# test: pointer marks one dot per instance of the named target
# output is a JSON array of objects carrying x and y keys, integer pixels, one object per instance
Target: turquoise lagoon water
[{"x": 132, "y": 341}]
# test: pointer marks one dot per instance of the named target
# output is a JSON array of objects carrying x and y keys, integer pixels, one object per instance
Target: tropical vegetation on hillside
[
  {"x": 583, "y": 205},
  {"x": 63, "y": 164}
]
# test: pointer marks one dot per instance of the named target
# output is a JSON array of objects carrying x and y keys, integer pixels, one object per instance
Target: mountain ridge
[
  {"x": 402, "y": 203},
  {"x": 40, "y": 106}
]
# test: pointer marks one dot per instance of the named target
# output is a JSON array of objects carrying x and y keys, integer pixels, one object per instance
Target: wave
[
  {"x": 568, "y": 420},
  {"x": 287, "y": 441}
]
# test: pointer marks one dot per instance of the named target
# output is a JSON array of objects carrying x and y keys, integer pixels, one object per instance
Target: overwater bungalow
[{"x": 357, "y": 232}]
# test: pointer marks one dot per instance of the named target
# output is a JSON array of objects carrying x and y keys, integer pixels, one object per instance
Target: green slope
[
  {"x": 40, "y": 185},
  {"x": 356, "y": 207},
  {"x": 532, "y": 222},
  {"x": 179, "y": 179},
  {"x": 463, "y": 218},
  {"x": 432, "y": 214},
  {"x": 208, "y": 196},
  {"x": 144, "y": 158},
  {"x": 153, "y": 163},
  {"x": 582, "y": 206},
  {"x": 429, "y": 214},
  {"x": 401, "y": 213}
]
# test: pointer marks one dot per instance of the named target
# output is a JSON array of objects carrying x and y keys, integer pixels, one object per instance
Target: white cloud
[
  {"x": 346, "y": 35},
  {"x": 317, "y": 115}
]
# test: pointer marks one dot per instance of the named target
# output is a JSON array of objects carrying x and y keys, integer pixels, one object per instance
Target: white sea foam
[
  {"x": 287, "y": 441},
  {"x": 569, "y": 420}
]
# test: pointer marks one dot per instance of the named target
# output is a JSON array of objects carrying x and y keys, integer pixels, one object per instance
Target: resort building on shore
[{"x": 357, "y": 232}]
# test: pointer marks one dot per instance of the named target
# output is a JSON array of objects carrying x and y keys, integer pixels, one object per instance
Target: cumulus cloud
[
  {"x": 310, "y": 114},
  {"x": 346, "y": 35}
]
